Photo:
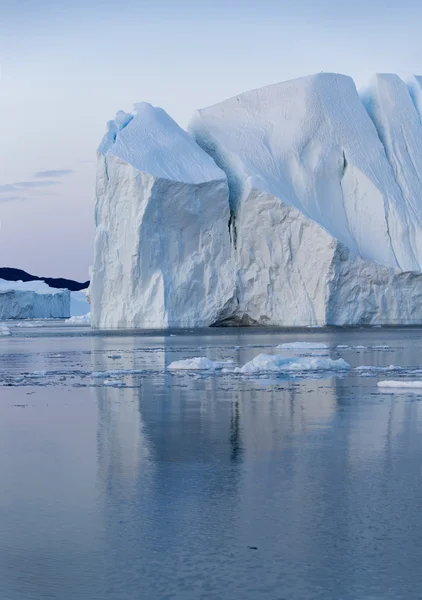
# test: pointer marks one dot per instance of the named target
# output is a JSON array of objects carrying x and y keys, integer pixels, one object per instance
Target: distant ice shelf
[{"x": 32, "y": 300}]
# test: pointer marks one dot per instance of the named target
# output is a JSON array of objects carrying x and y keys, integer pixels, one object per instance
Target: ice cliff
[
  {"x": 295, "y": 204},
  {"x": 162, "y": 247},
  {"x": 32, "y": 300}
]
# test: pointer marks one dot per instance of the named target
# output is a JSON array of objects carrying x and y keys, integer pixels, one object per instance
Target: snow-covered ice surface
[
  {"x": 32, "y": 300},
  {"x": 162, "y": 248}
]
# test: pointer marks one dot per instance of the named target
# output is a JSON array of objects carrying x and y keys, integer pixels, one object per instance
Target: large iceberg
[
  {"x": 295, "y": 204},
  {"x": 32, "y": 300},
  {"x": 162, "y": 246}
]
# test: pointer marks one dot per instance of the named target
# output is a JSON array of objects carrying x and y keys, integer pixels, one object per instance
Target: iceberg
[
  {"x": 324, "y": 233},
  {"x": 296, "y": 204},
  {"x": 32, "y": 300},
  {"x": 162, "y": 249}
]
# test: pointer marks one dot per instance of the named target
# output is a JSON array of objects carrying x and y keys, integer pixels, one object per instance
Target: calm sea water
[{"x": 194, "y": 486}]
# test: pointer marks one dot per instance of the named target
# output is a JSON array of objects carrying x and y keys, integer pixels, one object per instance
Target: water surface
[{"x": 194, "y": 486}]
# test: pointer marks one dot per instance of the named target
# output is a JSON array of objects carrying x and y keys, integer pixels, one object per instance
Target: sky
[{"x": 67, "y": 68}]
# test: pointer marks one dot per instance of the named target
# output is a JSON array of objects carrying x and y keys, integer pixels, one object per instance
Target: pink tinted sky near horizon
[{"x": 67, "y": 68}]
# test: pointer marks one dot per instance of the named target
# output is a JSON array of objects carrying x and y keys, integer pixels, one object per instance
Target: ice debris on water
[
  {"x": 264, "y": 363},
  {"x": 79, "y": 320},
  {"x": 199, "y": 364},
  {"x": 399, "y": 384},
  {"x": 303, "y": 346},
  {"x": 114, "y": 383},
  {"x": 4, "y": 330}
]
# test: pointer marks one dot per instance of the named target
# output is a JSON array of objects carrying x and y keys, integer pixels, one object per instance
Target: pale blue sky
[{"x": 66, "y": 69}]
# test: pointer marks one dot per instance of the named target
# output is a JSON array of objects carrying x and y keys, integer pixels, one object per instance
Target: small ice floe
[
  {"x": 346, "y": 347},
  {"x": 115, "y": 356},
  {"x": 114, "y": 383},
  {"x": 264, "y": 363},
  {"x": 37, "y": 374},
  {"x": 199, "y": 364},
  {"x": 80, "y": 320},
  {"x": 28, "y": 324},
  {"x": 4, "y": 330},
  {"x": 400, "y": 384},
  {"x": 372, "y": 369},
  {"x": 115, "y": 373},
  {"x": 303, "y": 346}
]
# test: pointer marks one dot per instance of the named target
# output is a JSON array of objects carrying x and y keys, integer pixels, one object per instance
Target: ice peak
[{"x": 152, "y": 142}]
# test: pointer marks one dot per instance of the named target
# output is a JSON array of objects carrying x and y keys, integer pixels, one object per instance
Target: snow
[
  {"x": 310, "y": 143},
  {"x": 4, "y": 330},
  {"x": 81, "y": 320},
  {"x": 162, "y": 254},
  {"x": 264, "y": 363},
  {"x": 297, "y": 204},
  {"x": 32, "y": 300},
  {"x": 199, "y": 364},
  {"x": 399, "y": 384},
  {"x": 303, "y": 346},
  {"x": 390, "y": 105}
]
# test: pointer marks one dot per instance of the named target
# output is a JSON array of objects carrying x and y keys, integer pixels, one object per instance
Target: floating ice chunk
[
  {"x": 199, "y": 364},
  {"x": 81, "y": 320},
  {"x": 114, "y": 372},
  {"x": 399, "y": 384},
  {"x": 342, "y": 346},
  {"x": 277, "y": 363},
  {"x": 303, "y": 346},
  {"x": 114, "y": 383},
  {"x": 37, "y": 374},
  {"x": 4, "y": 330},
  {"x": 374, "y": 369}
]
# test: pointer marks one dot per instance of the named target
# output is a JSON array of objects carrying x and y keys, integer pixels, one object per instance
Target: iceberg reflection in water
[{"x": 208, "y": 485}]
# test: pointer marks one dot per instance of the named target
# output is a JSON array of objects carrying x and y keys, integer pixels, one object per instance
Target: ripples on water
[{"x": 195, "y": 486}]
